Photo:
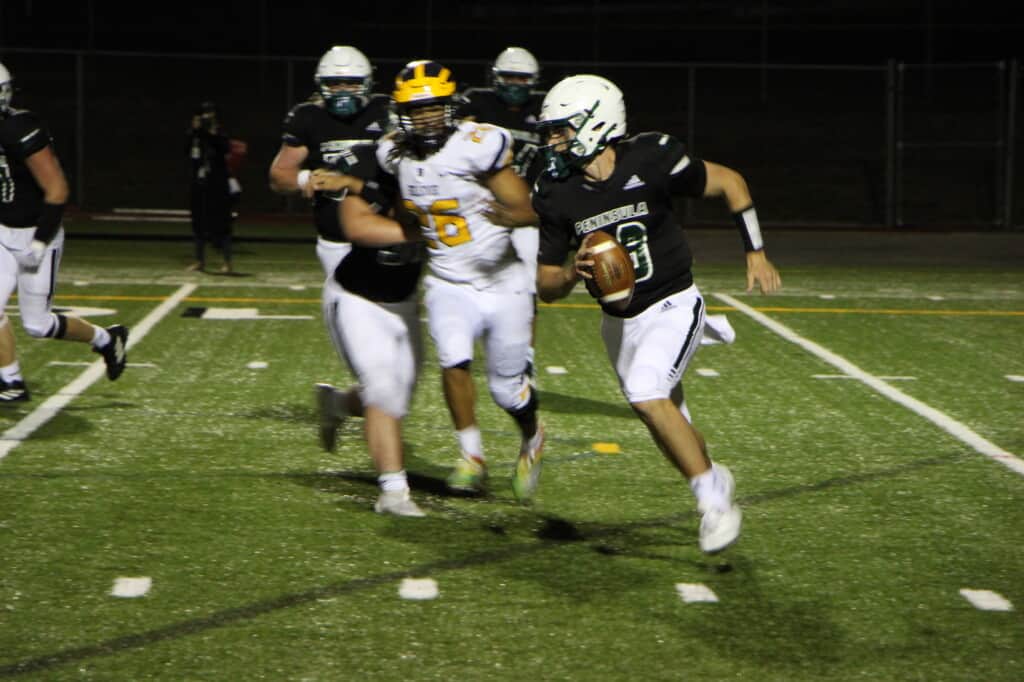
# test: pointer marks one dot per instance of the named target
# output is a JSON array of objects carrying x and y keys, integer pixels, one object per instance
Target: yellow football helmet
[{"x": 424, "y": 101}]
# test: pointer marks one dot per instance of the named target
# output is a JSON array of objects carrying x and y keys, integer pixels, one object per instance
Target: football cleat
[
  {"x": 528, "y": 466},
  {"x": 13, "y": 391},
  {"x": 720, "y": 526},
  {"x": 397, "y": 502},
  {"x": 115, "y": 353},
  {"x": 330, "y": 419},
  {"x": 469, "y": 475}
]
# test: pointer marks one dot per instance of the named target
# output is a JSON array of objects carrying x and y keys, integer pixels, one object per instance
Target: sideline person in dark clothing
[{"x": 211, "y": 202}]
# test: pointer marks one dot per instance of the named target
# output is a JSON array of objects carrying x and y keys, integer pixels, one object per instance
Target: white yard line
[
  {"x": 956, "y": 429},
  {"x": 13, "y": 436}
]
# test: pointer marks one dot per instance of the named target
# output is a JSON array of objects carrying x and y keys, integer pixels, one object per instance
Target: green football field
[{"x": 873, "y": 418}]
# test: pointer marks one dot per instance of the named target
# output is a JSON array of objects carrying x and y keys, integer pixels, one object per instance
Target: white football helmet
[
  {"x": 6, "y": 89},
  {"x": 514, "y": 74},
  {"x": 593, "y": 108},
  {"x": 344, "y": 65}
]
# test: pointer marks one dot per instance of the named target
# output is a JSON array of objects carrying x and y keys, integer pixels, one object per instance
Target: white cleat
[
  {"x": 397, "y": 502},
  {"x": 720, "y": 527}
]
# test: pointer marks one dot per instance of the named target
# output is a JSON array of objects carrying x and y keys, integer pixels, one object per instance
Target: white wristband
[{"x": 303, "y": 178}]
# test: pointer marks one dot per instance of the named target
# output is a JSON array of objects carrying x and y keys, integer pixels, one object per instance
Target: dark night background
[
  {"x": 860, "y": 113},
  {"x": 843, "y": 32}
]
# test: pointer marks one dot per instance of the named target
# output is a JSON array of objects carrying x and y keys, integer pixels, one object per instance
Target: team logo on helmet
[
  {"x": 424, "y": 101},
  {"x": 589, "y": 113}
]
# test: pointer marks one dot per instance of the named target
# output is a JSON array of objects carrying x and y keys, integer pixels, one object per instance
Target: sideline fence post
[
  {"x": 1010, "y": 142},
  {"x": 890, "y": 144},
  {"x": 79, "y": 129},
  {"x": 691, "y": 124}
]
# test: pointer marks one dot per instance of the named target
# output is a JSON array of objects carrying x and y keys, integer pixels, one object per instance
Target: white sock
[
  {"x": 708, "y": 491},
  {"x": 393, "y": 481},
  {"x": 100, "y": 338},
  {"x": 471, "y": 442},
  {"x": 11, "y": 372}
]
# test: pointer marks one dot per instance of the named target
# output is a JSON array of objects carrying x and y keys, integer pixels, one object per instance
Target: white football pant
[
  {"x": 380, "y": 342},
  {"x": 650, "y": 351},
  {"x": 458, "y": 314},
  {"x": 35, "y": 289}
]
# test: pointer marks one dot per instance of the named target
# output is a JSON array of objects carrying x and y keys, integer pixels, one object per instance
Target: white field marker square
[
  {"x": 131, "y": 587},
  {"x": 986, "y": 600},
  {"x": 418, "y": 589},
  {"x": 695, "y": 592},
  {"x": 707, "y": 372}
]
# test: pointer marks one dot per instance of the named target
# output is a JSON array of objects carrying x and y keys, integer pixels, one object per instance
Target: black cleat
[
  {"x": 325, "y": 397},
  {"x": 115, "y": 353},
  {"x": 13, "y": 391}
]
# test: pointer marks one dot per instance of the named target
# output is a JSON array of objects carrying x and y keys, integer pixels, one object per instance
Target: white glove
[
  {"x": 234, "y": 186},
  {"x": 31, "y": 258}
]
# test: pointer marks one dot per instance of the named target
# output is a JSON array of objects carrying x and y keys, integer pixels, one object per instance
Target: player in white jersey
[{"x": 459, "y": 181}]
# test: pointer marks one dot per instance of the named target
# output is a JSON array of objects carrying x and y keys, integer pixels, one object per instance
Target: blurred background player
[
  {"x": 33, "y": 191},
  {"x": 458, "y": 180},
  {"x": 210, "y": 188},
  {"x": 376, "y": 285},
  {"x": 318, "y": 146},
  {"x": 597, "y": 179},
  {"x": 320, "y": 135},
  {"x": 513, "y": 102}
]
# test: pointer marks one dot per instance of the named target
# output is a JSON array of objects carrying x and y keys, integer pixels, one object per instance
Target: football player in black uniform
[
  {"x": 597, "y": 179},
  {"x": 318, "y": 149},
  {"x": 513, "y": 102},
  {"x": 320, "y": 135},
  {"x": 33, "y": 191},
  {"x": 375, "y": 283}
]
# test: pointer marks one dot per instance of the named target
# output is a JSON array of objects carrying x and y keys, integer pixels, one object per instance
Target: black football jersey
[
  {"x": 22, "y": 134},
  {"x": 330, "y": 141},
  {"x": 485, "y": 106},
  {"x": 379, "y": 274},
  {"x": 635, "y": 206}
]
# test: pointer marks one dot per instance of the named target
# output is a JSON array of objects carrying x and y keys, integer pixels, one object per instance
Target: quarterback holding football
[{"x": 599, "y": 180}]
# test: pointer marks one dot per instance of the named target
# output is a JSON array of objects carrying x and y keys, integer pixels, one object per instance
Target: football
[{"x": 614, "y": 278}]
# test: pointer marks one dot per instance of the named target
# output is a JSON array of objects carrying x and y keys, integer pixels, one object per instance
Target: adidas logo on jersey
[
  {"x": 634, "y": 182},
  {"x": 374, "y": 127}
]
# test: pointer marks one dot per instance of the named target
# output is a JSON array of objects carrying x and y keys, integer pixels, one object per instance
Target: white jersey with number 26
[{"x": 447, "y": 193}]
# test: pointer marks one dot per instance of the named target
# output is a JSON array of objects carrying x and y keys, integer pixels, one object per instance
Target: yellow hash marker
[{"x": 606, "y": 448}]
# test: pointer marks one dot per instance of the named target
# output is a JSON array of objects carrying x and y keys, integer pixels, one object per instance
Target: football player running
[
  {"x": 597, "y": 179},
  {"x": 457, "y": 178},
  {"x": 317, "y": 157},
  {"x": 513, "y": 103},
  {"x": 33, "y": 191},
  {"x": 376, "y": 287}
]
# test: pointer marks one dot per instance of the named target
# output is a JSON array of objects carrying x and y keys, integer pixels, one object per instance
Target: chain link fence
[{"x": 894, "y": 145}]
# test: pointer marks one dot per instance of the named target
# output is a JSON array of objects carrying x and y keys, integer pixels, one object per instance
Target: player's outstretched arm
[
  {"x": 727, "y": 183},
  {"x": 511, "y": 207},
  {"x": 364, "y": 226}
]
